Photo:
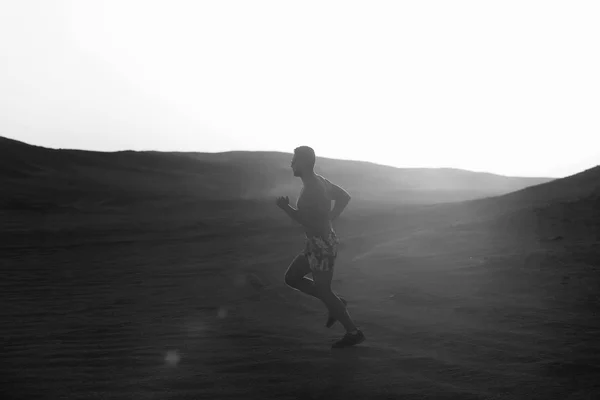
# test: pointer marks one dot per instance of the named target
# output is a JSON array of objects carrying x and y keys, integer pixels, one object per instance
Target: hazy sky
[{"x": 511, "y": 87}]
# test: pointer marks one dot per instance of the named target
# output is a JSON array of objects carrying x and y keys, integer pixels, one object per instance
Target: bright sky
[{"x": 509, "y": 87}]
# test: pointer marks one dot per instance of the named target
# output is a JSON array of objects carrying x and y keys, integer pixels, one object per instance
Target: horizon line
[{"x": 284, "y": 152}]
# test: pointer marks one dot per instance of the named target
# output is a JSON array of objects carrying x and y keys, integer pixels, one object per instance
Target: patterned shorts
[{"x": 321, "y": 252}]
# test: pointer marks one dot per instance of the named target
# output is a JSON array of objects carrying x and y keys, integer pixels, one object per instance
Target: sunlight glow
[{"x": 508, "y": 87}]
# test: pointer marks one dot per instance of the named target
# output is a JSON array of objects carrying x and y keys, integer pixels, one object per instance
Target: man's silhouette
[{"x": 313, "y": 211}]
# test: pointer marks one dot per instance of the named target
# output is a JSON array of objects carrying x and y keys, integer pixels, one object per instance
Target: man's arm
[
  {"x": 293, "y": 214},
  {"x": 341, "y": 198}
]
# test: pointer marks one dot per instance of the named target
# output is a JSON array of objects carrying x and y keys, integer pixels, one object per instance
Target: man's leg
[
  {"x": 353, "y": 335},
  {"x": 337, "y": 308},
  {"x": 295, "y": 277}
]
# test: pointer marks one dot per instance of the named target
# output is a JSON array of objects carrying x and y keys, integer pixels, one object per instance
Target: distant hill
[
  {"x": 37, "y": 177},
  {"x": 379, "y": 182},
  {"x": 578, "y": 187},
  {"x": 567, "y": 207}
]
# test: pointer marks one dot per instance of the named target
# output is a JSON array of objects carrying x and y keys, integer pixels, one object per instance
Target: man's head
[{"x": 303, "y": 161}]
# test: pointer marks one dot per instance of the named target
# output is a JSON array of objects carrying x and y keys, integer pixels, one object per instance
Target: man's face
[{"x": 296, "y": 167}]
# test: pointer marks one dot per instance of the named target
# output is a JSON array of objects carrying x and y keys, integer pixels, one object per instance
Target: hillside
[
  {"x": 567, "y": 207},
  {"x": 34, "y": 177},
  {"x": 149, "y": 293},
  {"x": 583, "y": 185}
]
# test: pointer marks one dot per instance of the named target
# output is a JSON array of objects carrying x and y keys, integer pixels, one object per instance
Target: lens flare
[{"x": 172, "y": 358}]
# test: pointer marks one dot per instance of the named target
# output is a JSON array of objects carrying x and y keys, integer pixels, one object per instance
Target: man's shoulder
[
  {"x": 325, "y": 186},
  {"x": 324, "y": 180}
]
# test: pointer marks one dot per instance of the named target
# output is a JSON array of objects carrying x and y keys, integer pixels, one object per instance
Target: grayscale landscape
[{"x": 154, "y": 275}]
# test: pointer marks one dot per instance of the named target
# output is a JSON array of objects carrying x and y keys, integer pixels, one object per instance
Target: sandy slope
[
  {"x": 122, "y": 288},
  {"x": 140, "y": 305},
  {"x": 39, "y": 178}
]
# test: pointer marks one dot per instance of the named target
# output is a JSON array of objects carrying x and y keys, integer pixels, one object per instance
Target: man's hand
[{"x": 283, "y": 202}]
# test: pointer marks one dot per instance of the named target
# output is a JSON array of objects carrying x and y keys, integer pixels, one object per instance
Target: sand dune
[
  {"x": 40, "y": 178},
  {"x": 175, "y": 314},
  {"x": 184, "y": 299}
]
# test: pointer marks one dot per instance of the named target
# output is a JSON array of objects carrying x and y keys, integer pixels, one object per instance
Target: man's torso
[{"x": 314, "y": 203}]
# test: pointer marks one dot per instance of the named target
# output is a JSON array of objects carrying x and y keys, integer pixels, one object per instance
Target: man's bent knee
[
  {"x": 291, "y": 281},
  {"x": 296, "y": 271}
]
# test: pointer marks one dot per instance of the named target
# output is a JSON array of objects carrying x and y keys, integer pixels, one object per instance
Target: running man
[{"x": 313, "y": 211}]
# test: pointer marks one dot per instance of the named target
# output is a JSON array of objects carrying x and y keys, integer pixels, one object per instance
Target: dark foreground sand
[{"x": 176, "y": 305}]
